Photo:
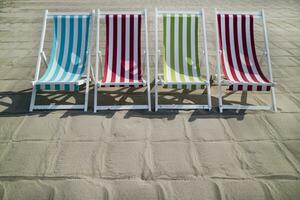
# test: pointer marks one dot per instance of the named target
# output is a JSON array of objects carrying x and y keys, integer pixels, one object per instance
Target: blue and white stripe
[{"x": 68, "y": 55}]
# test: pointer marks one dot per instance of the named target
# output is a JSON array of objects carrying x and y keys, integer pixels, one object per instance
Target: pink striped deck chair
[
  {"x": 236, "y": 56},
  {"x": 123, "y": 60}
]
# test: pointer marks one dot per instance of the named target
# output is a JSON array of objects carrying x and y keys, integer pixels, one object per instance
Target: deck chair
[
  {"x": 123, "y": 61},
  {"x": 181, "y": 66},
  {"x": 236, "y": 56},
  {"x": 69, "y": 63}
]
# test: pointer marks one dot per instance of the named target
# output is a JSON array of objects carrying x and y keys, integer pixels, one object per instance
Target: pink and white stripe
[
  {"x": 123, "y": 51},
  {"x": 238, "y": 56}
]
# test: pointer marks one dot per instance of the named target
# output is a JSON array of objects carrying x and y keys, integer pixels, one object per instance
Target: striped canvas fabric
[
  {"x": 122, "y": 65},
  {"x": 68, "y": 53},
  {"x": 181, "y": 66},
  {"x": 238, "y": 57}
]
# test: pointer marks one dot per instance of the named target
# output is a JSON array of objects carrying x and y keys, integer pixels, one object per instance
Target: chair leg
[
  {"x": 220, "y": 97},
  {"x": 274, "y": 105},
  {"x": 95, "y": 97},
  {"x": 156, "y": 96},
  {"x": 86, "y": 99},
  {"x": 208, "y": 97},
  {"x": 149, "y": 96},
  {"x": 32, "y": 101}
]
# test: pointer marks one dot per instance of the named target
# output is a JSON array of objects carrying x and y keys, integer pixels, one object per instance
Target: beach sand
[{"x": 135, "y": 155}]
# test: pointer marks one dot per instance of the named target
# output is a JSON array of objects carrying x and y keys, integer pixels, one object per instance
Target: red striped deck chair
[
  {"x": 237, "y": 58},
  {"x": 123, "y": 57},
  {"x": 181, "y": 66}
]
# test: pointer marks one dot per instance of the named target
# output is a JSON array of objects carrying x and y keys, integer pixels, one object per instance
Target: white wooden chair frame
[
  {"x": 204, "y": 56},
  {"x": 266, "y": 54},
  {"x": 99, "y": 58},
  {"x": 41, "y": 54}
]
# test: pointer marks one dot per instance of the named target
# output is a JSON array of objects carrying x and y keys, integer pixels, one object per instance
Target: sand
[{"x": 145, "y": 155}]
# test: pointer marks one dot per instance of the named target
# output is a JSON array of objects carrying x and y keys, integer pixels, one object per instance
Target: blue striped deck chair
[
  {"x": 181, "y": 66},
  {"x": 69, "y": 64}
]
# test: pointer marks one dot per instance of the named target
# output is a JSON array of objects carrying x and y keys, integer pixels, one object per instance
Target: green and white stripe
[{"x": 181, "y": 62}]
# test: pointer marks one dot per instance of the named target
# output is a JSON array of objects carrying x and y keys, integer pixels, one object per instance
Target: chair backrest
[
  {"x": 180, "y": 40},
  {"x": 236, "y": 41},
  {"x": 69, "y": 48},
  {"x": 123, "y": 48}
]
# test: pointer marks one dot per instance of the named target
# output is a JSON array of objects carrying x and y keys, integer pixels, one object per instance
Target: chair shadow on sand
[{"x": 18, "y": 103}]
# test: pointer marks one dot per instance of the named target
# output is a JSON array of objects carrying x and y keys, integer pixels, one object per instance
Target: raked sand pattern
[{"x": 145, "y": 155}]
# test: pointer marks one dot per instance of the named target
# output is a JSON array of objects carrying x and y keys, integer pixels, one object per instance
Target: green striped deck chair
[
  {"x": 68, "y": 66},
  {"x": 181, "y": 65}
]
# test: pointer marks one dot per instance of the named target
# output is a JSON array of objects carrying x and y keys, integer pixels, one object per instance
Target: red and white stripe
[
  {"x": 238, "y": 57},
  {"x": 123, "y": 51}
]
